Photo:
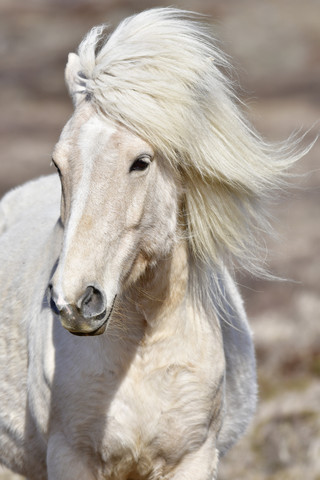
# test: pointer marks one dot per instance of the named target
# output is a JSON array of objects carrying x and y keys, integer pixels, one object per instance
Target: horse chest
[
  {"x": 145, "y": 409},
  {"x": 157, "y": 415}
]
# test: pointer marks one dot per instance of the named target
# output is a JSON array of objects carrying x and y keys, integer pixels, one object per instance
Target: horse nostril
[{"x": 92, "y": 303}]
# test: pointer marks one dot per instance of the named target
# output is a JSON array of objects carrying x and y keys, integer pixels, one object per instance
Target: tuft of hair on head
[{"x": 161, "y": 75}]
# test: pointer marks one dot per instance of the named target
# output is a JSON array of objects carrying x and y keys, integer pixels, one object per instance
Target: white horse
[{"x": 162, "y": 184}]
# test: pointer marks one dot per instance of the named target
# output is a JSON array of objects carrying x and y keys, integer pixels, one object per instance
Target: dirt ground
[{"x": 275, "y": 47}]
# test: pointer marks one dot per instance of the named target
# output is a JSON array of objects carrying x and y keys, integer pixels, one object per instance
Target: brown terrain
[{"x": 275, "y": 47}]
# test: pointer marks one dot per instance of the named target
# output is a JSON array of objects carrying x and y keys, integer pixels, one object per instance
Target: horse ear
[{"x": 71, "y": 74}]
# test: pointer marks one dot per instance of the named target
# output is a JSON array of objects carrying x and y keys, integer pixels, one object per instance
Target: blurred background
[{"x": 275, "y": 47}]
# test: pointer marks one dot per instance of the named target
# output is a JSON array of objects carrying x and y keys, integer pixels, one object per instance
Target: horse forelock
[{"x": 159, "y": 75}]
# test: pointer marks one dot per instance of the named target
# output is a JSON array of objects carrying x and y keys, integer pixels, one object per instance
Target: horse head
[
  {"x": 154, "y": 113},
  {"x": 118, "y": 210}
]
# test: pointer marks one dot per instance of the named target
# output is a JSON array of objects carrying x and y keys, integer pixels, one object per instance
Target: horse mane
[{"x": 161, "y": 75}]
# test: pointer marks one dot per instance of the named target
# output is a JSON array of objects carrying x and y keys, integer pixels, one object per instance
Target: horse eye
[{"x": 140, "y": 164}]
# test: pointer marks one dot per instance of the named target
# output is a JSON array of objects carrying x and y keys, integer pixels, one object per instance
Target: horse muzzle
[{"x": 88, "y": 316}]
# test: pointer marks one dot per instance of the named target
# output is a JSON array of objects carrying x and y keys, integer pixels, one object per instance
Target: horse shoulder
[
  {"x": 241, "y": 383},
  {"x": 28, "y": 250},
  {"x": 22, "y": 201}
]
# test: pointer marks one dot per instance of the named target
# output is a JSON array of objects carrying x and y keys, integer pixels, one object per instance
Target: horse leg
[
  {"x": 201, "y": 464},
  {"x": 64, "y": 463}
]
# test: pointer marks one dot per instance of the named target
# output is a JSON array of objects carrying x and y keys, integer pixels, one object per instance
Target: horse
[{"x": 125, "y": 350}]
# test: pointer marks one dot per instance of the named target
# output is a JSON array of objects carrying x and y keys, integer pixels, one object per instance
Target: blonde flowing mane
[{"x": 159, "y": 74}]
